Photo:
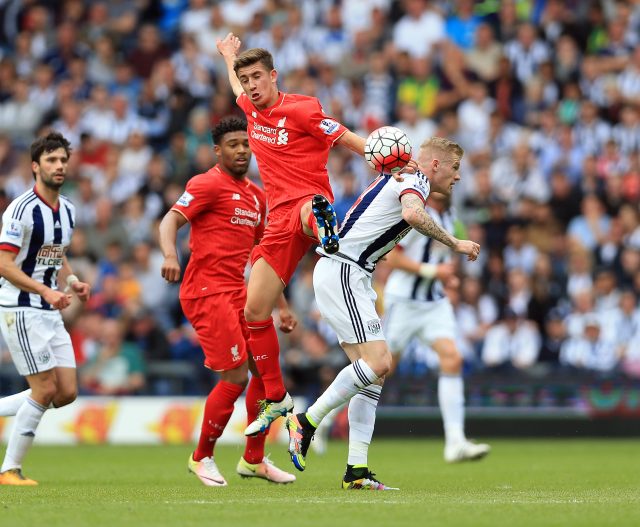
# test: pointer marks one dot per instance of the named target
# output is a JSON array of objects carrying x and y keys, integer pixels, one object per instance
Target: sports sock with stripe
[
  {"x": 349, "y": 381},
  {"x": 362, "y": 420},
  {"x": 24, "y": 431}
]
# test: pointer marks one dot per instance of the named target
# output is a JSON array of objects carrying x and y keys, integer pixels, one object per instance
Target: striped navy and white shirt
[
  {"x": 402, "y": 285},
  {"x": 39, "y": 236},
  {"x": 374, "y": 225}
]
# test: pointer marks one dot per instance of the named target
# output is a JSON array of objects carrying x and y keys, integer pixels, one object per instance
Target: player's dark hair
[
  {"x": 48, "y": 143},
  {"x": 225, "y": 126},
  {"x": 251, "y": 56}
]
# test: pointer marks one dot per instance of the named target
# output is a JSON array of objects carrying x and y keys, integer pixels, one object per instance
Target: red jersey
[
  {"x": 291, "y": 142},
  {"x": 227, "y": 220}
]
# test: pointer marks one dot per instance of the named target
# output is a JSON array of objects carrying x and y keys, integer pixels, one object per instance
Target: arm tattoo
[{"x": 423, "y": 222}]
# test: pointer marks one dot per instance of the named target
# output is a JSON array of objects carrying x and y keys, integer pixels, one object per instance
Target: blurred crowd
[{"x": 544, "y": 96}]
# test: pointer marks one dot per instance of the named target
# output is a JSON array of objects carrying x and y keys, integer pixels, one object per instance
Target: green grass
[{"x": 522, "y": 483}]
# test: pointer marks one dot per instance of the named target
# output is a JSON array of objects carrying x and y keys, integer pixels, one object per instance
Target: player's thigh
[
  {"x": 28, "y": 334},
  {"x": 218, "y": 325},
  {"x": 284, "y": 242},
  {"x": 401, "y": 322},
  {"x": 346, "y": 300}
]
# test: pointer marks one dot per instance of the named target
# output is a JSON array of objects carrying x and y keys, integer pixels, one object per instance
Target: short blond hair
[{"x": 442, "y": 145}]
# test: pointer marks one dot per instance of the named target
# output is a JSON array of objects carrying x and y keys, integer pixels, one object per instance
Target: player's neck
[
  {"x": 50, "y": 196},
  {"x": 272, "y": 100}
]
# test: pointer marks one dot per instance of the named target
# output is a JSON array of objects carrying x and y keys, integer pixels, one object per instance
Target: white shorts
[
  {"x": 37, "y": 340},
  {"x": 427, "y": 321},
  {"x": 347, "y": 301}
]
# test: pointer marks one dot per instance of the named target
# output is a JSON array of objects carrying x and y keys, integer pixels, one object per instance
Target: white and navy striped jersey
[
  {"x": 403, "y": 285},
  {"x": 374, "y": 225},
  {"x": 40, "y": 236}
]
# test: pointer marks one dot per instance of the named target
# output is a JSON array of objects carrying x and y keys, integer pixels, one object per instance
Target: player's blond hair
[
  {"x": 251, "y": 56},
  {"x": 441, "y": 145}
]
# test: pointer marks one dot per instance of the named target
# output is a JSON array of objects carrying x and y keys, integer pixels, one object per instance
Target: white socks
[
  {"x": 10, "y": 404},
  {"x": 24, "y": 431},
  {"x": 451, "y": 400},
  {"x": 347, "y": 383},
  {"x": 362, "y": 419}
]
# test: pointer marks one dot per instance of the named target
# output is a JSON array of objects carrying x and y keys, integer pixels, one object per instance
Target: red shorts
[
  {"x": 284, "y": 243},
  {"x": 221, "y": 328}
]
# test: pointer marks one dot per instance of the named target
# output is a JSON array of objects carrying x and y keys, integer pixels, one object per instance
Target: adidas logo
[
  {"x": 235, "y": 196},
  {"x": 57, "y": 225},
  {"x": 254, "y": 114}
]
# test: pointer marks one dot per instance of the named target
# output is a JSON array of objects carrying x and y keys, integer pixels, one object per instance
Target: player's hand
[
  {"x": 170, "y": 269},
  {"x": 82, "y": 290},
  {"x": 471, "y": 249},
  {"x": 57, "y": 299},
  {"x": 445, "y": 271},
  {"x": 410, "y": 168},
  {"x": 229, "y": 45},
  {"x": 288, "y": 321}
]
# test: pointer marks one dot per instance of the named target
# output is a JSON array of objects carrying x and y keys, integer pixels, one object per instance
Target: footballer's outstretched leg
[{"x": 327, "y": 223}]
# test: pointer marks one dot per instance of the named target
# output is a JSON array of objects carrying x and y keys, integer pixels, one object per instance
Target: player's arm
[
  {"x": 73, "y": 283},
  {"x": 352, "y": 141},
  {"x": 11, "y": 272},
  {"x": 397, "y": 259},
  {"x": 288, "y": 320},
  {"x": 169, "y": 226},
  {"x": 228, "y": 47},
  {"x": 414, "y": 214}
]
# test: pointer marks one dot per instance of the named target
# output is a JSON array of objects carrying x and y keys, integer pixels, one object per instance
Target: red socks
[
  {"x": 217, "y": 411},
  {"x": 266, "y": 354},
  {"x": 254, "y": 449}
]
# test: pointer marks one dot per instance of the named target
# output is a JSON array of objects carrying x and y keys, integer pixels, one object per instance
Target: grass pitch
[{"x": 522, "y": 483}]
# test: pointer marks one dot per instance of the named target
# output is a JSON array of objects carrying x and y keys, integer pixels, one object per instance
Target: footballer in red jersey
[
  {"x": 226, "y": 212},
  {"x": 291, "y": 137}
]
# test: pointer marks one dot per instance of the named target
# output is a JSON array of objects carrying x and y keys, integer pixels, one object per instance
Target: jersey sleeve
[
  {"x": 196, "y": 198},
  {"x": 319, "y": 125},
  {"x": 12, "y": 233},
  {"x": 415, "y": 184}
]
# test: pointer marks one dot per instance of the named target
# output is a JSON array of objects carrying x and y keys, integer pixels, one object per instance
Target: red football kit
[
  {"x": 227, "y": 219},
  {"x": 291, "y": 142}
]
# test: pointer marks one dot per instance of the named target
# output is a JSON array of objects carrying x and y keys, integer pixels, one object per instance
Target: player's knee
[
  {"x": 451, "y": 361},
  {"x": 65, "y": 397},
  {"x": 381, "y": 364},
  {"x": 237, "y": 376},
  {"x": 256, "y": 313},
  {"x": 44, "y": 393}
]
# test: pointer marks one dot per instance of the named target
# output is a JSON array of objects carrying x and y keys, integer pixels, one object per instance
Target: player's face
[
  {"x": 52, "y": 168},
  {"x": 234, "y": 153},
  {"x": 445, "y": 173},
  {"x": 259, "y": 84}
]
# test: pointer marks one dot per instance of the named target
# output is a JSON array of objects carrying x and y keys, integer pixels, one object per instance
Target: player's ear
[
  {"x": 435, "y": 164},
  {"x": 217, "y": 150},
  {"x": 274, "y": 75}
]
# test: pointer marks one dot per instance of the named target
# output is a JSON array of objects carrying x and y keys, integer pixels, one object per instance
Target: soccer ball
[{"x": 387, "y": 149}]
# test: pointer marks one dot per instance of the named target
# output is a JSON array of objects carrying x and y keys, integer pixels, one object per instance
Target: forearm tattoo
[{"x": 423, "y": 223}]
